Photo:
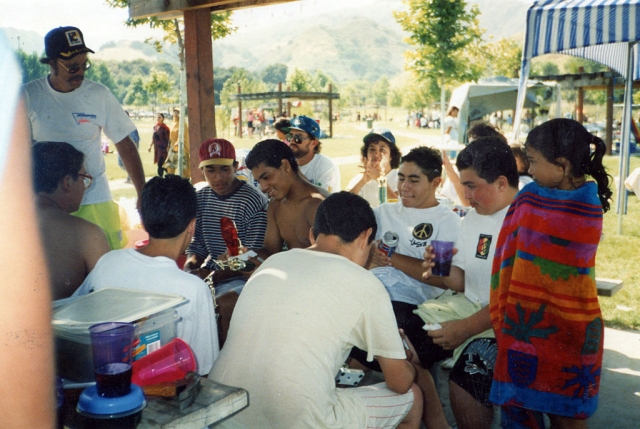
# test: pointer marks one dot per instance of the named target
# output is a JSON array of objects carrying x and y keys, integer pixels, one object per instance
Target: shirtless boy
[
  {"x": 72, "y": 245},
  {"x": 293, "y": 201}
]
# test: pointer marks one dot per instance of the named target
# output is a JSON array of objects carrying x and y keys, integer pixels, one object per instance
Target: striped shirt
[{"x": 246, "y": 206}]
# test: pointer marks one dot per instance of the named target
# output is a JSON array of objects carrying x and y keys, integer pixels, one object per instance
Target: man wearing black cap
[{"x": 65, "y": 107}]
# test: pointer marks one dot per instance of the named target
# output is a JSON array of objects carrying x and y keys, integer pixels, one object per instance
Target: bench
[{"x": 608, "y": 287}]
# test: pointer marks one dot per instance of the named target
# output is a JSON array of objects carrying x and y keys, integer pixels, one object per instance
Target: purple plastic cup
[
  {"x": 444, "y": 254},
  {"x": 111, "y": 348}
]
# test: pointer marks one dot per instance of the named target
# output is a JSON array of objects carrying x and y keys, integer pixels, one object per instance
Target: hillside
[{"x": 352, "y": 43}]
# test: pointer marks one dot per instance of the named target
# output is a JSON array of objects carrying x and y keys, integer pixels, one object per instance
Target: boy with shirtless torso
[
  {"x": 293, "y": 200},
  {"x": 72, "y": 245}
]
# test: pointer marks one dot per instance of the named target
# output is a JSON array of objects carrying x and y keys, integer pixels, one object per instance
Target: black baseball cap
[{"x": 64, "y": 43}]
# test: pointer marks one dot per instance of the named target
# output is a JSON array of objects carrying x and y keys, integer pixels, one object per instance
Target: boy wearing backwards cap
[
  {"x": 64, "y": 106},
  {"x": 381, "y": 158},
  {"x": 303, "y": 138}
]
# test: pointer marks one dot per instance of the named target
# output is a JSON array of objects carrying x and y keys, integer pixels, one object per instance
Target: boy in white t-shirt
[{"x": 417, "y": 219}]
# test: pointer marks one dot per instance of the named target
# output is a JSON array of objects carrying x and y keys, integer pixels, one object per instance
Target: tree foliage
[
  {"x": 157, "y": 85},
  {"x": 173, "y": 28},
  {"x": 274, "y": 74},
  {"x": 380, "y": 91},
  {"x": 249, "y": 83},
  {"x": 32, "y": 69},
  {"x": 300, "y": 81},
  {"x": 446, "y": 37},
  {"x": 505, "y": 58}
]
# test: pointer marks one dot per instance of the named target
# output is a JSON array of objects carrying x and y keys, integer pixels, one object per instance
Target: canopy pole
[
  {"x": 522, "y": 93},
  {"x": 625, "y": 138}
]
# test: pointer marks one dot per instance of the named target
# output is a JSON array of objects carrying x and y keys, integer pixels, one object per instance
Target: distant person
[
  {"x": 544, "y": 300},
  {"x": 451, "y": 124},
  {"x": 71, "y": 245},
  {"x": 523, "y": 165},
  {"x": 26, "y": 350},
  {"x": 293, "y": 200},
  {"x": 250, "y": 126},
  {"x": 65, "y": 107},
  {"x": 381, "y": 158},
  {"x": 282, "y": 128},
  {"x": 304, "y": 140},
  {"x": 168, "y": 214},
  {"x": 300, "y": 314},
  {"x": 135, "y": 138},
  {"x": 172, "y": 162},
  {"x": 160, "y": 143}
]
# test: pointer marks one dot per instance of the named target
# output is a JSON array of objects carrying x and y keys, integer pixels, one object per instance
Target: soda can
[{"x": 388, "y": 243}]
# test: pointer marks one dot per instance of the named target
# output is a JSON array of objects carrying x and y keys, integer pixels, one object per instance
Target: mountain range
[{"x": 359, "y": 43}]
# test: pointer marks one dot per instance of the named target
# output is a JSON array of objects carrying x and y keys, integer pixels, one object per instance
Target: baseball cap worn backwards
[
  {"x": 216, "y": 152},
  {"x": 306, "y": 124},
  {"x": 380, "y": 133},
  {"x": 64, "y": 43}
]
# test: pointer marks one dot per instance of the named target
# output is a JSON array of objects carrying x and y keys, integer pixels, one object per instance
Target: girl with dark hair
[{"x": 544, "y": 304}]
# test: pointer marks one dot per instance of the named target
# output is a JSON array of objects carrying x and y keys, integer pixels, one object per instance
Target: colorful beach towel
[{"x": 544, "y": 305}]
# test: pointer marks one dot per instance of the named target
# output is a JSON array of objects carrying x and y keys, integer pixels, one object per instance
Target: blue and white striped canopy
[{"x": 599, "y": 30}]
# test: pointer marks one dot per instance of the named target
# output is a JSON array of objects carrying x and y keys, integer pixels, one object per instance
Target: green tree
[
  {"x": 380, "y": 91},
  {"x": 32, "y": 69},
  {"x": 505, "y": 58},
  {"x": 300, "y": 81},
  {"x": 321, "y": 82},
  {"x": 574, "y": 63},
  {"x": 99, "y": 72},
  {"x": 157, "y": 85},
  {"x": 274, "y": 74},
  {"x": 249, "y": 83},
  {"x": 394, "y": 97},
  {"x": 546, "y": 68},
  {"x": 447, "y": 41},
  {"x": 136, "y": 93}
]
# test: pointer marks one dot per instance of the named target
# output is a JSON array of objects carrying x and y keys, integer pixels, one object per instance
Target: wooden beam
[
  {"x": 199, "y": 67},
  {"x": 168, "y": 9}
]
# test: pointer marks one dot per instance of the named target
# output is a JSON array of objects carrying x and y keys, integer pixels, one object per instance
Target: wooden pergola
[
  {"x": 596, "y": 81},
  {"x": 198, "y": 49},
  {"x": 285, "y": 95}
]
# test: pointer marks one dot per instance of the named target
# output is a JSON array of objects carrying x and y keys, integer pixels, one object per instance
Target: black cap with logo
[{"x": 64, "y": 43}]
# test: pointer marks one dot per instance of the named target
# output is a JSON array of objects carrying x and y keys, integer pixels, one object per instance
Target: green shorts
[{"x": 106, "y": 216}]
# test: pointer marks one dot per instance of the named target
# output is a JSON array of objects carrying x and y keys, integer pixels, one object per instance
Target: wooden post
[
  {"x": 580, "y": 106},
  {"x": 330, "y": 112},
  {"x": 280, "y": 100},
  {"x": 239, "y": 113},
  {"x": 288, "y": 104},
  {"x": 199, "y": 68},
  {"x": 609, "y": 120}
]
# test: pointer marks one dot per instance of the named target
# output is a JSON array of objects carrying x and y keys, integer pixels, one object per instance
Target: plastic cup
[
  {"x": 171, "y": 362},
  {"x": 111, "y": 348},
  {"x": 444, "y": 254}
]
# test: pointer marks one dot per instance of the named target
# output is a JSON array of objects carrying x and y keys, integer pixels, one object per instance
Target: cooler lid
[{"x": 111, "y": 305}]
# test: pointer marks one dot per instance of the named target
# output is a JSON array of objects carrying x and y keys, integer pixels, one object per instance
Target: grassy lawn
[{"x": 617, "y": 254}]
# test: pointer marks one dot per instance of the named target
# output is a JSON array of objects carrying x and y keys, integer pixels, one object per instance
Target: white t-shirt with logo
[
  {"x": 322, "y": 172},
  {"x": 78, "y": 117},
  {"x": 415, "y": 229},
  {"x": 476, "y": 246}
]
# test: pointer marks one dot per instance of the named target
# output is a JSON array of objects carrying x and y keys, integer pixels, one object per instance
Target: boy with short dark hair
[
  {"x": 489, "y": 175},
  {"x": 168, "y": 213}
]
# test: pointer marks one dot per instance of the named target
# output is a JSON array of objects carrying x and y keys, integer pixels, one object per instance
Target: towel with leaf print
[{"x": 544, "y": 304}]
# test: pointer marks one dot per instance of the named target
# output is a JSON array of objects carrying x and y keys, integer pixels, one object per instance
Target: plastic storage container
[{"x": 152, "y": 314}]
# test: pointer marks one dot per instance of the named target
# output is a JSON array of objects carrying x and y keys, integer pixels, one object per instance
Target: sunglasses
[
  {"x": 76, "y": 68},
  {"x": 296, "y": 138},
  {"x": 86, "y": 178}
]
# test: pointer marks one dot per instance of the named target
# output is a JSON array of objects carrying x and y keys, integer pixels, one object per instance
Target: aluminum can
[
  {"x": 388, "y": 243},
  {"x": 382, "y": 190}
]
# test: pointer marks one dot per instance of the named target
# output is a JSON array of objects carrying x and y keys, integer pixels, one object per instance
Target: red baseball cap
[{"x": 216, "y": 152}]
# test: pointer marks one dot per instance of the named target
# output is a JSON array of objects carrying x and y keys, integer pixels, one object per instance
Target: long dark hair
[{"x": 566, "y": 138}]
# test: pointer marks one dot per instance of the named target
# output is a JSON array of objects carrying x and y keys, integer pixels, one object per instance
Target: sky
[{"x": 101, "y": 24}]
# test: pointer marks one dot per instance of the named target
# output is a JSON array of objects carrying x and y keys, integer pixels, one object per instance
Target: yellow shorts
[{"x": 107, "y": 216}]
